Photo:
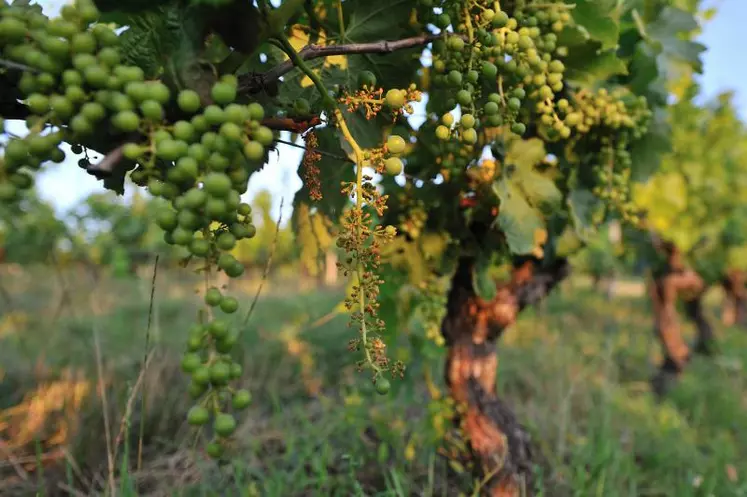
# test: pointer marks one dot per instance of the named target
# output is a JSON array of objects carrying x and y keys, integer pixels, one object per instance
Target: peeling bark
[
  {"x": 679, "y": 282},
  {"x": 735, "y": 301},
  {"x": 499, "y": 443}
]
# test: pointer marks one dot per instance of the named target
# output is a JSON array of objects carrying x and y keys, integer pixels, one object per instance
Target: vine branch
[{"x": 254, "y": 83}]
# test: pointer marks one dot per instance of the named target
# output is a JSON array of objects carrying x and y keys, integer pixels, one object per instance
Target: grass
[{"x": 575, "y": 370}]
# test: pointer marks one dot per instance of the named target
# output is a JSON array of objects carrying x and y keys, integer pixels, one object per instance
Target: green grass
[{"x": 575, "y": 370}]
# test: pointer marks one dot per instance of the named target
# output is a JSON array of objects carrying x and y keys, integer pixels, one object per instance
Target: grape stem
[
  {"x": 359, "y": 159},
  {"x": 18, "y": 67},
  {"x": 330, "y": 103}
]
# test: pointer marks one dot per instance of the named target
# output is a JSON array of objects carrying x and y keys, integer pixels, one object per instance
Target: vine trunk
[
  {"x": 678, "y": 282},
  {"x": 500, "y": 445},
  {"x": 735, "y": 301}
]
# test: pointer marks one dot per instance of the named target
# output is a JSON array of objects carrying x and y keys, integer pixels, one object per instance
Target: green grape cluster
[
  {"x": 495, "y": 64},
  {"x": 604, "y": 125},
  {"x": 77, "y": 87},
  {"x": 613, "y": 179}
]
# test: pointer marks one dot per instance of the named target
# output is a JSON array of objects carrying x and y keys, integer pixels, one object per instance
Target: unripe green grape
[
  {"x": 226, "y": 241},
  {"x": 188, "y": 101},
  {"x": 223, "y": 93},
  {"x": 393, "y": 166},
  {"x": 395, "y": 144},
  {"x": 109, "y": 56},
  {"x": 443, "y": 20},
  {"x": 120, "y": 102},
  {"x": 214, "y": 450},
  {"x": 224, "y": 424},
  {"x": 500, "y": 19},
  {"x": 234, "y": 270},
  {"x": 96, "y": 76},
  {"x": 514, "y": 103},
  {"x": 61, "y": 107},
  {"x": 216, "y": 208},
  {"x": 151, "y": 110},
  {"x": 190, "y": 362},
  {"x": 467, "y": 121},
  {"x": 263, "y": 135},
  {"x": 159, "y": 92},
  {"x": 168, "y": 150},
  {"x": 217, "y": 184},
  {"x": 469, "y": 136},
  {"x": 220, "y": 373},
  {"x": 214, "y": 115},
  {"x": 229, "y": 305},
  {"x": 199, "y": 247},
  {"x": 518, "y": 128},
  {"x": 395, "y": 98},
  {"x": 455, "y": 43},
  {"x": 464, "y": 97},
  {"x": 366, "y": 78},
  {"x": 80, "y": 125},
  {"x": 382, "y": 386},
  {"x": 219, "y": 328},
  {"x": 241, "y": 399},
  {"x": 83, "y": 43},
  {"x": 126, "y": 121},
  {"x": 75, "y": 94},
  {"x": 226, "y": 344},
  {"x": 489, "y": 70},
  {"x": 217, "y": 162},
  {"x": 38, "y": 103},
  {"x": 256, "y": 112},
  {"x": 231, "y": 131},
  {"x": 194, "y": 198},
  {"x": 198, "y": 416},
  {"x": 455, "y": 78},
  {"x": 491, "y": 108},
  {"x": 442, "y": 133},
  {"x": 201, "y": 376},
  {"x": 182, "y": 236}
]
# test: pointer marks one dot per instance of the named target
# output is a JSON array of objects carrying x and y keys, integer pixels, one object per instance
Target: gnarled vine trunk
[
  {"x": 735, "y": 299},
  {"x": 499, "y": 443},
  {"x": 678, "y": 282}
]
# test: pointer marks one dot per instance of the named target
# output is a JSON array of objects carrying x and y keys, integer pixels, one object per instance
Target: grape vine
[{"x": 539, "y": 117}]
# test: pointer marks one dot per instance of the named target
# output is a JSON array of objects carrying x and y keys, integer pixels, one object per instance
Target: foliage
[
  {"x": 696, "y": 198},
  {"x": 30, "y": 231},
  {"x": 186, "y": 102}
]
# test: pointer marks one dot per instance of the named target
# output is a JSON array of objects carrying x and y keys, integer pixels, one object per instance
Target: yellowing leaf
[{"x": 300, "y": 38}]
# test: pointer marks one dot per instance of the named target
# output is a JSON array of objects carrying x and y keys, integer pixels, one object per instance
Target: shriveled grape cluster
[
  {"x": 75, "y": 87},
  {"x": 494, "y": 64}
]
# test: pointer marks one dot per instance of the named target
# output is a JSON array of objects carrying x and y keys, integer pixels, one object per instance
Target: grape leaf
[
  {"x": 482, "y": 280},
  {"x": 595, "y": 17},
  {"x": 538, "y": 189},
  {"x": 667, "y": 33},
  {"x": 647, "y": 152},
  {"x": 168, "y": 35},
  {"x": 587, "y": 65},
  {"x": 583, "y": 207},
  {"x": 517, "y": 219}
]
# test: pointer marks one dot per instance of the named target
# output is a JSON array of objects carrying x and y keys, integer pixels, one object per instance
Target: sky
[{"x": 725, "y": 68}]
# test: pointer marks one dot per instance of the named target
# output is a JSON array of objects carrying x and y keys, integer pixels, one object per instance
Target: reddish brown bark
[
  {"x": 735, "y": 298},
  {"x": 682, "y": 283},
  {"x": 499, "y": 443}
]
